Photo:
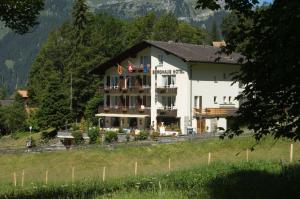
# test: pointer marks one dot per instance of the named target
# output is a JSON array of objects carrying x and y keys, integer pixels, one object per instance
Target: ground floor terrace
[{"x": 166, "y": 125}]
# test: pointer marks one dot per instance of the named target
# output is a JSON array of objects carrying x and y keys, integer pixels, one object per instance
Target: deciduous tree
[
  {"x": 271, "y": 68},
  {"x": 20, "y": 15}
]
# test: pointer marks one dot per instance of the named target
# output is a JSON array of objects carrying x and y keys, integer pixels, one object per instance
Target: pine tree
[
  {"x": 80, "y": 19},
  {"x": 54, "y": 109}
]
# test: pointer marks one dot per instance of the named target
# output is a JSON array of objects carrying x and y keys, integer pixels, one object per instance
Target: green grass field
[
  {"x": 256, "y": 179},
  {"x": 151, "y": 160}
]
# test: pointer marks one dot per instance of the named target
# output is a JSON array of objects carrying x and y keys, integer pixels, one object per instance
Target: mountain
[{"x": 17, "y": 52}]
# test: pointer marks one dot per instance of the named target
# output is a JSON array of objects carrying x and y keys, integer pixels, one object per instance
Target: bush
[
  {"x": 121, "y": 131},
  {"x": 111, "y": 136},
  {"x": 142, "y": 136},
  {"x": 94, "y": 135},
  {"x": 155, "y": 135},
  {"x": 48, "y": 134},
  {"x": 77, "y": 137}
]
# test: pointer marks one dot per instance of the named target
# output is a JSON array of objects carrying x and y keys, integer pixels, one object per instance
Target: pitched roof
[
  {"x": 185, "y": 51},
  {"x": 219, "y": 43},
  {"x": 23, "y": 93}
]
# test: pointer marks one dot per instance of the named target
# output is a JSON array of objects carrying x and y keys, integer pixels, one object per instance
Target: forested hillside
[{"x": 18, "y": 52}]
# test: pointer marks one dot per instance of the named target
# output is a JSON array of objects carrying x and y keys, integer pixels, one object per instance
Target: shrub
[
  {"x": 111, "y": 136},
  {"x": 142, "y": 136},
  {"x": 77, "y": 137},
  {"x": 48, "y": 134},
  {"x": 121, "y": 131},
  {"x": 94, "y": 135},
  {"x": 155, "y": 135},
  {"x": 127, "y": 137}
]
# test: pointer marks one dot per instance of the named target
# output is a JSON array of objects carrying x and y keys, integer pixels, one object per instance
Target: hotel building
[{"x": 176, "y": 85}]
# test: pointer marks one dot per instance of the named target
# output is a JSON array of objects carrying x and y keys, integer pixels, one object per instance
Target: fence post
[
  {"x": 209, "y": 158},
  {"x": 73, "y": 174},
  {"x": 247, "y": 155},
  {"x": 22, "y": 181},
  {"x": 46, "y": 177},
  {"x": 103, "y": 174},
  {"x": 291, "y": 153},
  {"x": 135, "y": 169},
  {"x": 15, "y": 178},
  {"x": 169, "y": 164}
]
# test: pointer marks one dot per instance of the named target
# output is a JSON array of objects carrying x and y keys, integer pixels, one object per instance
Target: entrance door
[{"x": 200, "y": 126}]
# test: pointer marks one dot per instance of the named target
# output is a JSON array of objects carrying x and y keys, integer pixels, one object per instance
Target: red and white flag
[{"x": 130, "y": 67}]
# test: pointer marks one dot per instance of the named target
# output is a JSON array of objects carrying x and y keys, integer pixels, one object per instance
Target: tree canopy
[
  {"x": 20, "y": 15},
  {"x": 270, "y": 71}
]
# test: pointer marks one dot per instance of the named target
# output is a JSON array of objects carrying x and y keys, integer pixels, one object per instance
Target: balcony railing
[
  {"x": 124, "y": 110},
  {"x": 215, "y": 112},
  {"x": 165, "y": 111},
  {"x": 129, "y": 89},
  {"x": 167, "y": 90}
]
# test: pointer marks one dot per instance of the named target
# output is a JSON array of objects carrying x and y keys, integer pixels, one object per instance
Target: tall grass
[{"x": 258, "y": 179}]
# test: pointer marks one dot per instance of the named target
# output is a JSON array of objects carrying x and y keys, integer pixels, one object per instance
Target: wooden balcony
[
  {"x": 132, "y": 89},
  {"x": 166, "y": 90},
  {"x": 167, "y": 112},
  {"x": 215, "y": 112},
  {"x": 125, "y": 110}
]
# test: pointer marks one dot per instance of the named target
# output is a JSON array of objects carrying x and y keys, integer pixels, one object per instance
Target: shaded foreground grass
[
  {"x": 219, "y": 180},
  {"x": 152, "y": 160}
]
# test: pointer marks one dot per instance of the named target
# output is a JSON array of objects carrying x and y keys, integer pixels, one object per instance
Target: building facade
[{"x": 174, "y": 85}]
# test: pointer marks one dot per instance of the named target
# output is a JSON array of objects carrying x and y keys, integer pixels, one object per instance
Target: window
[
  {"x": 169, "y": 80},
  {"x": 168, "y": 102},
  {"x": 115, "y": 81},
  {"x": 224, "y": 100},
  {"x": 224, "y": 76},
  {"x": 132, "y": 101},
  {"x": 215, "y": 99},
  {"x": 195, "y": 102},
  {"x": 148, "y": 101},
  {"x": 115, "y": 100},
  {"x": 229, "y": 100},
  {"x": 144, "y": 60},
  {"x": 146, "y": 80},
  {"x": 160, "y": 59}
]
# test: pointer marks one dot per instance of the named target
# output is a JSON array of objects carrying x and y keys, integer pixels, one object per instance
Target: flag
[
  {"x": 130, "y": 67},
  {"x": 120, "y": 69}
]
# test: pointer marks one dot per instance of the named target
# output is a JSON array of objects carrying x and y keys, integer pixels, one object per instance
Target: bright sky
[{"x": 267, "y": 1}]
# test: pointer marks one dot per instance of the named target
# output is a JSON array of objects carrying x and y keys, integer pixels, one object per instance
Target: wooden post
[
  {"x": 103, "y": 174},
  {"x": 169, "y": 164},
  {"x": 15, "y": 178},
  {"x": 247, "y": 155},
  {"x": 22, "y": 181},
  {"x": 73, "y": 174},
  {"x": 291, "y": 153},
  {"x": 209, "y": 158},
  {"x": 135, "y": 169},
  {"x": 46, "y": 177}
]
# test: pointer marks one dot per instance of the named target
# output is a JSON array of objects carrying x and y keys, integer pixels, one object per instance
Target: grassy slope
[
  {"x": 151, "y": 160},
  {"x": 19, "y": 141}
]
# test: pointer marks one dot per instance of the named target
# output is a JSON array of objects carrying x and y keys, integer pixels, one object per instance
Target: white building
[{"x": 181, "y": 85}]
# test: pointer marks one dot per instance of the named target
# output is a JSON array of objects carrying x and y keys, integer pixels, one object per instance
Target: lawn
[{"x": 151, "y": 160}]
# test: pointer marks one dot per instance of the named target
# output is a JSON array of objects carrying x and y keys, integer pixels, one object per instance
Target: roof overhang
[{"x": 121, "y": 115}]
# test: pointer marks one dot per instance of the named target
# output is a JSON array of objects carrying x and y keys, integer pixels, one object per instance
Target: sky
[{"x": 267, "y": 1}]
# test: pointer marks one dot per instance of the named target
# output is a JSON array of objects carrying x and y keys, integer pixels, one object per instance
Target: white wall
[
  {"x": 170, "y": 62},
  {"x": 203, "y": 84}
]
